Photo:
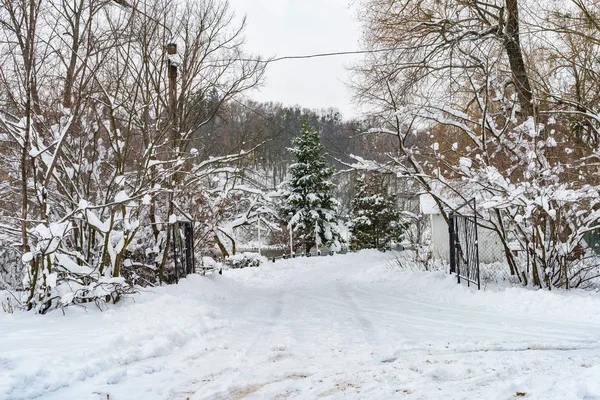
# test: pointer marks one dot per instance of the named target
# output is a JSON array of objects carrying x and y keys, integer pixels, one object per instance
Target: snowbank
[
  {"x": 40, "y": 355},
  {"x": 440, "y": 287},
  {"x": 350, "y": 326}
]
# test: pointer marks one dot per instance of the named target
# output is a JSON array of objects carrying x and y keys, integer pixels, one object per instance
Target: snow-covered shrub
[
  {"x": 6, "y": 302},
  {"x": 245, "y": 260},
  {"x": 139, "y": 274},
  {"x": 496, "y": 273},
  {"x": 409, "y": 260},
  {"x": 11, "y": 269}
]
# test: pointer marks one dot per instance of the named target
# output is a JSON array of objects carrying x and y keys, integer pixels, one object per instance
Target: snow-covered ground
[{"x": 346, "y": 326}]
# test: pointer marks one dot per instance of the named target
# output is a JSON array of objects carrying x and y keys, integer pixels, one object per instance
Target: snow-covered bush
[
  {"x": 227, "y": 205},
  {"x": 410, "y": 261},
  {"x": 245, "y": 260}
]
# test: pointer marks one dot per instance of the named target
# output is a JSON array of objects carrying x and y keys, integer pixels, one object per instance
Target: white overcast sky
[{"x": 298, "y": 27}]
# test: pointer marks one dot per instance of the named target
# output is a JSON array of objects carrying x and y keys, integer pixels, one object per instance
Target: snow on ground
[{"x": 349, "y": 326}]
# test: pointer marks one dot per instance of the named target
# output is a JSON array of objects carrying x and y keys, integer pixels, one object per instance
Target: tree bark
[{"x": 512, "y": 44}]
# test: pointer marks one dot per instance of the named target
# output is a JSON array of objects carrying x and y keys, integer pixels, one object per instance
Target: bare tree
[
  {"x": 470, "y": 78},
  {"x": 98, "y": 115}
]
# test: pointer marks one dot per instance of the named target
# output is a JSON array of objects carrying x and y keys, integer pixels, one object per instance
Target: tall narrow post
[
  {"x": 317, "y": 240},
  {"x": 259, "y": 241},
  {"x": 465, "y": 252},
  {"x": 476, "y": 245},
  {"x": 451, "y": 242},
  {"x": 174, "y": 253},
  {"x": 173, "y": 64},
  {"x": 291, "y": 241},
  {"x": 193, "y": 271}
]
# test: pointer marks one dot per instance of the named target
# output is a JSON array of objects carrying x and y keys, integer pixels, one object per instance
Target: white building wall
[
  {"x": 490, "y": 246},
  {"x": 440, "y": 241}
]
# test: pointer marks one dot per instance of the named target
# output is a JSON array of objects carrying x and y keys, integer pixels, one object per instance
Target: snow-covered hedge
[{"x": 244, "y": 260}]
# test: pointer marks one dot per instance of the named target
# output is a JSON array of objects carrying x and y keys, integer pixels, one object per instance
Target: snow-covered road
[{"x": 333, "y": 327}]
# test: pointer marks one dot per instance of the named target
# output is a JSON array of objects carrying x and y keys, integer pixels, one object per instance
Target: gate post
[
  {"x": 466, "y": 253},
  {"x": 175, "y": 251},
  {"x": 193, "y": 249},
  {"x": 476, "y": 244},
  {"x": 451, "y": 242},
  {"x": 189, "y": 247}
]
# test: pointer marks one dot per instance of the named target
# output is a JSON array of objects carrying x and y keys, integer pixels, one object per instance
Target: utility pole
[{"x": 173, "y": 64}]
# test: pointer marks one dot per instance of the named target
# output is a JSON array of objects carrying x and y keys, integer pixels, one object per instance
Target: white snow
[
  {"x": 349, "y": 326},
  {"x": 96, "y": 222},
  {"x": 121, "y": 197},
  {"x": 70, "y": 265},
  {"x": 175, "y": 60},
  {"x": 465, "y": 163},
  {"x": 428, "y": 205}
]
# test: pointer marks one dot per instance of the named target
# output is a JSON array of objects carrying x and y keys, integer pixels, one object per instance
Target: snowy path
[{"x": 335, "y": 327}]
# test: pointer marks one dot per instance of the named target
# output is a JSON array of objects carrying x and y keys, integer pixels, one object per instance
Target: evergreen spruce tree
[
  {"x": 309, "y": 206},
  {"x": 376, "y": 220}
]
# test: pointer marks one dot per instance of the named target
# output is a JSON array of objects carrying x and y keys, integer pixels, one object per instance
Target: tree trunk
[
  {"x": 512, "y": 44},
  {"x": 223, "y": 249}
]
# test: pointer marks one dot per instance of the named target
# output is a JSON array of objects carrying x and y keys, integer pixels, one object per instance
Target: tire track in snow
[
  {"x": 246, "y": 356},
  {"x": 365, "y": 324},
  {"x": 465, "y": 309},
  {"x": 428, "y": 317},
  {"x": 266, "y": 331},
  {"x": 460, "y": 317}
]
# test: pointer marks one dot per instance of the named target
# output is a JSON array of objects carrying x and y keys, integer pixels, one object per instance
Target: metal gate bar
[
  {"x": 464, "y": 245},
  {"x": 184, "y": 261}
]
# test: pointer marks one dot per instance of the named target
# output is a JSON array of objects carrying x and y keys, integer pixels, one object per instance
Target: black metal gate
[
  {"x": 183, "y": 248},
  {"x": 464, "y": 245}
]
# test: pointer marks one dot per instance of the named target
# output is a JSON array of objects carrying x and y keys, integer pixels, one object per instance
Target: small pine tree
[
  {"x": 309, "y": 206},
  {"x": 376, "y": 220}
]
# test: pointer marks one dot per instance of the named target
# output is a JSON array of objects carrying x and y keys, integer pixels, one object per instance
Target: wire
[
  {"x": 316, "y": 55},
  {"x": 374, "y": 51}
]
